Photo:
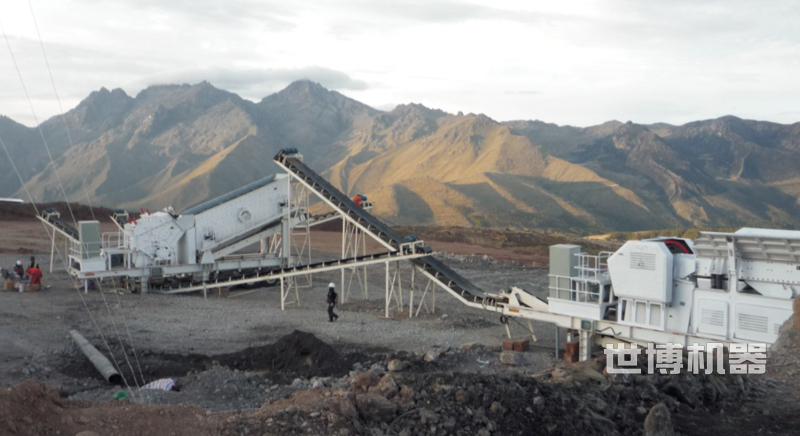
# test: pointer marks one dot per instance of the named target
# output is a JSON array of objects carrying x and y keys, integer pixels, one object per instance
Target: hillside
[{"x": 180, "y": 144}]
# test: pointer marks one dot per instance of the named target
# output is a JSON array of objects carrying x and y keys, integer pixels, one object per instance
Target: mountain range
[{"x": 176, "y": 145}]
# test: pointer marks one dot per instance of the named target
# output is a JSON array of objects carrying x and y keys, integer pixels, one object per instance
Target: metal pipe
[{"x": 97, "y": 358}]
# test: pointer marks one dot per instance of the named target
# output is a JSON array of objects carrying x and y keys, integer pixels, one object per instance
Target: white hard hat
[
  {"x": 332, "y": 285},
  {"x": 19, "y": 262}
]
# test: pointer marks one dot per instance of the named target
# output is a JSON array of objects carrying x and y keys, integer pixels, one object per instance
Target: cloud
[
  {"x": 386, "y": 15},
  {"x": 255, "y": 83},
  {"x": 223, "y": 13},
  {"x": 524, "y": 92}
]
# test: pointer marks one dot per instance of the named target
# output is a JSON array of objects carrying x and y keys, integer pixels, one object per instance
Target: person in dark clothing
[
  {"x": 333, "y": 298},
  {"x": 33, "y": 263}
]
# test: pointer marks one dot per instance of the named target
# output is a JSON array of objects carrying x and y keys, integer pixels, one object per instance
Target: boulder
[
  {"x": 658, "y": 422},
  {"x": 376, "y": 408},
  {"x": 347, "y": 409},
  {"x": 538, "y": 403},
  {"x": 364, "y": 380},
  {"x": 397, "y": 365},
  {"x": 469, "y": 346},
  {"x": 427, "y": 417},
  {"x": 462, "y": 396},
  {"x": 497, "y": 408},
  {"x": 510, "y": 358},
  {"x": 386, "y": 387},
  {"x": 596, "y": 404},
  {"x": 433, "y": 355}
]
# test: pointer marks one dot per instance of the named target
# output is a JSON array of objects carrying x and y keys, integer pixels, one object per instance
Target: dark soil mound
[{"x": 296, "y": 354}]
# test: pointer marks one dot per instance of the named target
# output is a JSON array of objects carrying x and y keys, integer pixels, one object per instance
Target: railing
[
  {"x": 575, "y": 289},
  {"x": 113, "y": 241},
  {"x": 593, "y": 267},
  {"x": 75, "y": 248}
]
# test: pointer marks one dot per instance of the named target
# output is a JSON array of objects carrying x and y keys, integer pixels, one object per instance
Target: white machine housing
[
  {"x": 199, "y": 233},
  {"x": 723, "y": 287}
]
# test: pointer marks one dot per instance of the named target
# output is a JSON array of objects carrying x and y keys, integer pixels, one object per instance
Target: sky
[{"x": 568, "y": 62}]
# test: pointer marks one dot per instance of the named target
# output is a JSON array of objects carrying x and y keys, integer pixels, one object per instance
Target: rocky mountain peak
[{"x": 101, "y": 104}]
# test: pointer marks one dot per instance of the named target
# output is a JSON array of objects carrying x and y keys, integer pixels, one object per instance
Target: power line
[
  {"x": 39, "y": 126},
  {"x": 69, "y": 206},
  {"x": 86, "y": 306},
  {"x": 60, "y": 108}
]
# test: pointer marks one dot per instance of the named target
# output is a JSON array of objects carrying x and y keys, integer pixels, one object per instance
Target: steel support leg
[
  {"x": 585, "y": 345},
  {"x": 433, "y": 298},
  {"x": 344, "y": 255},
  {"x": 52, "y": 251},
  {"x": 387, "y": 288},
  {"x": 364, "y": 251},
  {"x": 283, "y": 291},
  {"x": 411, "y": 293},
  {"x": 558, "y": 337},
  {"x": 399, "y": 286}
]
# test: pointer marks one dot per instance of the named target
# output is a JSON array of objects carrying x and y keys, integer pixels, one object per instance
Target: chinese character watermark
[{"x": 669, "y": 358}]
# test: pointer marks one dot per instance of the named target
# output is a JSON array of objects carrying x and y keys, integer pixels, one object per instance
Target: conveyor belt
[
  {"x": 456, "y": 282},
  {"x": 324, "y": 188},
  {"x": 61, "y": 225}
]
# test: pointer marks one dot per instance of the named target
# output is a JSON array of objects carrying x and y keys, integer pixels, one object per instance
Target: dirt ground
[{"x": 246, "y": 367}]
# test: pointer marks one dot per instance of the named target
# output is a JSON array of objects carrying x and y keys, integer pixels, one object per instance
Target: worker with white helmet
[
  {"x": 333, "y": 298},
  {"x": 19, "y": 270}
]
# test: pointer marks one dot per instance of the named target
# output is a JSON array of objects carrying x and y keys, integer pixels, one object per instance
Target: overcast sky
[{"x": 568, "y": 62}]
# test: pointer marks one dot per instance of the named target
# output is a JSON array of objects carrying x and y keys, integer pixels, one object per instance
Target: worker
[
  {"x": 8, "y": 281},
  {"x": 33, "y": 262},
  {"x": 357, "y": 200},
  {"x": 19, "y": 271},
  {"x": 36, "y": 277},
  {"x": 333, "y": 298}
]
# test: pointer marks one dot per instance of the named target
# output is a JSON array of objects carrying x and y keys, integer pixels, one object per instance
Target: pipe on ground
[{"x": 97, "y": 358}]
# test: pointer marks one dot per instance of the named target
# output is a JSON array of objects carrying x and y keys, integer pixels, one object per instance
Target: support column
[
  {"x": 282, "y": 293},
  {"x": 399, "y": 286},
  {"x": 558, "y": 337},
  {"x": 364, "y": 252},
  {"x": 387, "y": 288},
  {"x": 530, "y": 327},
  {"x": 342, "y": 289},
  {"x": 286, "y": 242},
  {"x": 585, "y": 345},
  {"x": 433, "y": 298},
  {"x": 52, "y": 251},
  {"x": 411, "y": 292}
]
